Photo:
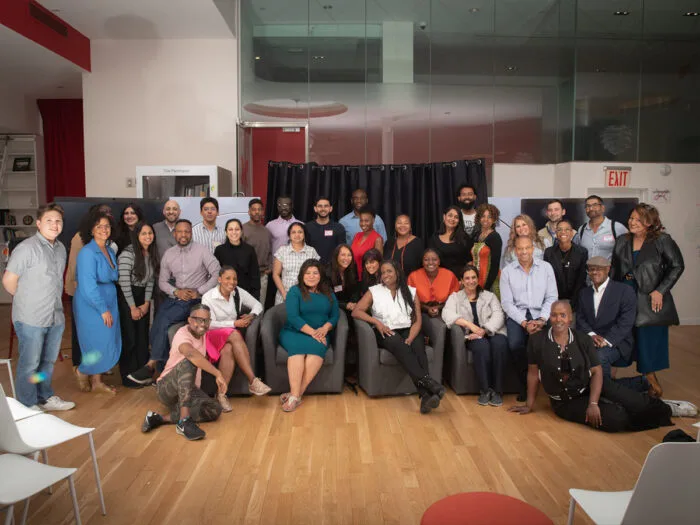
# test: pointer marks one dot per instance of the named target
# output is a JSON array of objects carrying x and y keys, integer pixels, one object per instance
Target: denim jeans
[
  {"x": 170, "y": 312},
  {"x": 38, "y": 350},
  {"x": 489, "y": 356},
  {"x": 517, "y": 344}
]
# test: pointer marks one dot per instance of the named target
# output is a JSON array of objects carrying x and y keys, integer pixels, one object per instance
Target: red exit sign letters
[{"x": 617, "y": 176}]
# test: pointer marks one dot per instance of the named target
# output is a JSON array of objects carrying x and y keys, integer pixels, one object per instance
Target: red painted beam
[{"x": 33, "y": 21}]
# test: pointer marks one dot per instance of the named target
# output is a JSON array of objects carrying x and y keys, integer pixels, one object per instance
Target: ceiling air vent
[{"x": 41, "y": 15}]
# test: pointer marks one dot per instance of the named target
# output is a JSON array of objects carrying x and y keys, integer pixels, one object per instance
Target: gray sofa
[
  {"x": 460, "y": 372},
  {"x": 330, "y": 378},
  {"x": 380, "y": 374},
  {"x": 239, "y": 382}
]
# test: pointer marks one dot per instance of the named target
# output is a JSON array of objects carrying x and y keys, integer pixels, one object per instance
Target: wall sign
[{"x": 617, "y": 176}]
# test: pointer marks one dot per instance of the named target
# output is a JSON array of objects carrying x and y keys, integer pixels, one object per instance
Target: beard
[{"x": 466, "y": 205}]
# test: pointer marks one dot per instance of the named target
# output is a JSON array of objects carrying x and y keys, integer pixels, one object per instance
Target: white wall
[
  {"x": 18, "y": 112},
  {"x": 680, "y": 216},
  {"x": 157, "y": 102}
]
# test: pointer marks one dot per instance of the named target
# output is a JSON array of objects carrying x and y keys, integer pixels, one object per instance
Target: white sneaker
[
  {"x": 223, "y": 401},
  {"x": 56, "y": 404},
  {"x": 681, "y": 408}
]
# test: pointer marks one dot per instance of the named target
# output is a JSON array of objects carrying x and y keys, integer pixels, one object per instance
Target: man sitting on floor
[
  {"x": 606, "y": 311},
  {"x": 177, "y": 386},
  {"x": 566, "y": 362}
]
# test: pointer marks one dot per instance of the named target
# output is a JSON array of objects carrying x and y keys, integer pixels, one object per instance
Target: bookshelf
[{"x": 22, "y": 190}]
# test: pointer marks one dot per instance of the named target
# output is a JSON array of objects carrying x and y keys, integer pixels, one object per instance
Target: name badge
[
  {"x": 608, "y": 237},
  {"x": 328, "y": 233},
  {"x": 338, "y": 288}
]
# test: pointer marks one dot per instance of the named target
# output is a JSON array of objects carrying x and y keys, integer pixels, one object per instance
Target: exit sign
[{"x": 617, "y": 176}]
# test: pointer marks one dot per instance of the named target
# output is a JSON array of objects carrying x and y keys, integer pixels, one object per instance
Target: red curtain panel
[{"x": 63, "y": 147}]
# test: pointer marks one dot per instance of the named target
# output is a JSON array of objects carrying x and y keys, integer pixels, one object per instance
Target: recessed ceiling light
[
  {"x": 474, "y": 10},
  {"x": 511, "y": 68},
  {"x": 257, "y": 58},
  {"x": 691, "y": 13},
  {"x": 621, "y": 13}
]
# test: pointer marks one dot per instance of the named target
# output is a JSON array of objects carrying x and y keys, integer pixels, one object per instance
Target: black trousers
[
  {"x": 413, "y": 358},
  {"x": 76, "y": 354},
  {"x": 620, "y": 409},
  {"x": 134, "y": 333}
]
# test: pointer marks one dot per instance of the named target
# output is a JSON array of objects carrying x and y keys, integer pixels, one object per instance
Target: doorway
[{"x": 262, "y": 142}]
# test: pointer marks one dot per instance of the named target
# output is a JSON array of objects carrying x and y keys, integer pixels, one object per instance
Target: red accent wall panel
[
  {"x": 274, "y": 144},
  {"x": 53, "y": 33}
]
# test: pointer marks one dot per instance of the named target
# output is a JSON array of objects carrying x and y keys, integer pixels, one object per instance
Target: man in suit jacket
[
  {"x": 568, "y": 261},
  {"x": 606, "y": 311}
]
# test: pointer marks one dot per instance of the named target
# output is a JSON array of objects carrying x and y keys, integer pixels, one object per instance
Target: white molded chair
[
  {"x": 37, "y": 433},
  {"x": 8, "y": 362},
  {"x": 19, "y": 411},
  {"x": 667, "y": 491},
  {"x": 22, "y": 478}
]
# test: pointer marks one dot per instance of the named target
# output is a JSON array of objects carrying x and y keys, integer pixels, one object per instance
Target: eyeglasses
[
  {"x": 596, "y": 205},
  {"x": 200, "y": 320}
]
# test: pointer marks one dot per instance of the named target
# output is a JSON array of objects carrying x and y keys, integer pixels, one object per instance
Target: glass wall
[{"x": 511, "y": 81}]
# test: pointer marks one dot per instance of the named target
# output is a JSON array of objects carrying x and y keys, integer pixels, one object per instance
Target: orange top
[{"x": 436, "y": 292}]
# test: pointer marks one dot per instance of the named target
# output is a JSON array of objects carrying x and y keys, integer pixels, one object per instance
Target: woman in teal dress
[
  {"x": 95, "y": 304},
  {"x": 312, "y": 312},
  {"x": 649, "y": 260}
]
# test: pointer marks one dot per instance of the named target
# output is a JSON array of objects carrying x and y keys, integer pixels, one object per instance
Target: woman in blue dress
[
  {"x": 95, "y": 304},
  {"x": 649, "y": 260},
  {"x": 312, "y": 312}
]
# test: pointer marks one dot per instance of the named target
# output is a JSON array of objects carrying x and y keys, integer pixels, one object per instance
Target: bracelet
[{"x": 593, "y": 403}]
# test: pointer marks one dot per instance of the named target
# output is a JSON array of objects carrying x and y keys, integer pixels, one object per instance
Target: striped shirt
[
  {"x": 209, "y": 238},
  {"x": 127, "y": 279},
  {"x": 291, "y": 264}
]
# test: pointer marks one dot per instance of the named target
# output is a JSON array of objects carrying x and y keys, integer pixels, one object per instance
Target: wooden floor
[{"x": 339, "y": 459}]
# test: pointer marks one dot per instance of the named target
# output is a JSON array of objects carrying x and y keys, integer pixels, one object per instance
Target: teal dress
[
  {"x": 316, "y": 311},
  {"x": 650, "y": 342}
]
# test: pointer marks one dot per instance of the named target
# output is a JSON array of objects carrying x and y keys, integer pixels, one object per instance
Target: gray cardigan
[{"x": 488, "y": 308}]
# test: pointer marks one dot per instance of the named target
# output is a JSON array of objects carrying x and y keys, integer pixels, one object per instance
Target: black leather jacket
[{"x": 659, "y": 266}]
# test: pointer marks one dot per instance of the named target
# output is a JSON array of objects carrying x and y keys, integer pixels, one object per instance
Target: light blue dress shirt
[{"x": 521, "y": 291}]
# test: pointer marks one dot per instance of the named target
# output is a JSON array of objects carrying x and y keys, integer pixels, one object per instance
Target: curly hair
[
  {"x": 338, "y": 276},
  {"x": 536, "y": 241},
  {"x": 323, "y": 285},
  {"x": 494, "y": 213},
  {"x": 139, "y": 270},
  {"x": 649, "y": 215},
  {"x": 92, "y": 219}
]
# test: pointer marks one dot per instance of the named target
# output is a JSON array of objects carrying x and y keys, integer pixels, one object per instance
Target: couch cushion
[
  {"x": 388, "y": 359},
  {"x": 281, "y": 357}
]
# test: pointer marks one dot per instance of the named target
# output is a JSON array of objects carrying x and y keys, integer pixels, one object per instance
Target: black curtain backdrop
[{"x": 422, "y": 191}]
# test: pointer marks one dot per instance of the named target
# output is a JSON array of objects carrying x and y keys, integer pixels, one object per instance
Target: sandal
[
  {"x": 102, "y": 387},
  {"x": 284, "y": 397},
  {"x": 292, "y": 403},
  {"x": 83, "y": 380}
]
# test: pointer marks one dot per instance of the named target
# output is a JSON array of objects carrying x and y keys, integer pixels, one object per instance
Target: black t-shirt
[
  {"x": 243, "y": 259},
  {"x": 547, "y": 355},
  {"x": 324, "y": 238},
  {"x": 454, "y": 256}
]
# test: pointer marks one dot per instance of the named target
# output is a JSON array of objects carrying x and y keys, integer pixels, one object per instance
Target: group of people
[{"x": 218, "y": 280}]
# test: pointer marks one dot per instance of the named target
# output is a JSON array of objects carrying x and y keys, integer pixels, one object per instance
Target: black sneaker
[
  {"x": 428, "y": 402},
  {"x": 151, "y": 421},
  {"x": 496, "y": 399},
  {"x": 143, "y": 376},
  {"x": 484, "y": 398},
  {"x": 188, "y": 428},
  {"x": 128, "y": 383}
]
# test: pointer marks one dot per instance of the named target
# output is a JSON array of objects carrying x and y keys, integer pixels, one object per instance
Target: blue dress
[
  {"x": 316, "y": 311},
  {"x": 97, "y": 293},
  {"x": 650, "y": 342}
]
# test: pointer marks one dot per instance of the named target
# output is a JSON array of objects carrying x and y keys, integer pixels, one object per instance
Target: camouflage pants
[{"x": 177, "y": 389}]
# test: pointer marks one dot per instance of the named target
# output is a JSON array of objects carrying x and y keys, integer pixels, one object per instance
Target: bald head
[
  {"x": 561, "y": 316},
  {"x": 171, "y": 212},
  {"x": 524, "y": 250}
]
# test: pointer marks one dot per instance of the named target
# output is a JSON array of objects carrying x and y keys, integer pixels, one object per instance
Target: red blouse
[{"x": 360, "y": 247}]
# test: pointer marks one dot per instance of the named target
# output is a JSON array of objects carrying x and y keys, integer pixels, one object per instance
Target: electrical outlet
[{"x": 130, "y": 182}]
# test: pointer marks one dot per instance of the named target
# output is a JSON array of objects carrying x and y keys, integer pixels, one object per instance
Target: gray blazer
[{"x": 488, "y": 308}]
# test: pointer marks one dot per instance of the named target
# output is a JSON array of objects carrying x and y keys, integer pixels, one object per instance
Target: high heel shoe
[{"x": 655, "y": 389}]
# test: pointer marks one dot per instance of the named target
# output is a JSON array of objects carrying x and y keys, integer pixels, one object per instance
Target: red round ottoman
[{"x": 482, "y": 508}]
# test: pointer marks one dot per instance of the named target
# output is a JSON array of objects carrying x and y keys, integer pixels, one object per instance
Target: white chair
[
  {"x": 19, "y": 411},
  {"x": 667, "y": 491},
  {"x": 697, "y": 425},
  {"x": 22, "y": 478},
  {"x": 8, "y": 362},
  {"x": 40, "y": 432}
]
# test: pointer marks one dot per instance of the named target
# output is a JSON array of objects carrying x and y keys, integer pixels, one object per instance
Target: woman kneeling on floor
[
  {"x": 312, "y": 312},
  {"x": 566, "y": 362},
  {"x": 396, "y": 318}
]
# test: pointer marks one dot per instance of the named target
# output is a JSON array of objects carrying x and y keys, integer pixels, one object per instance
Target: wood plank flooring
[{"x": 340, "y": 459}]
